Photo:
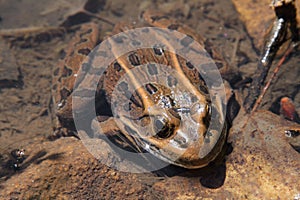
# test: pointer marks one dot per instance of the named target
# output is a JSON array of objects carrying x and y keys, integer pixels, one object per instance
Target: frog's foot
[
  {"x": 63, "y": 130},
  {"x": 106, "y": 128},
  {"x": 110, "y": 147}
]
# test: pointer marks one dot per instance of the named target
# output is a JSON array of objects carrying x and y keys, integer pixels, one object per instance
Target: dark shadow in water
[
  {"x": 81, "y": 16},
  {"x": 211, "y": 176},
  {"x": 10, "y": 165},
  {"x": 8, "y": 83},
  {"x": 55, "y": 156}
]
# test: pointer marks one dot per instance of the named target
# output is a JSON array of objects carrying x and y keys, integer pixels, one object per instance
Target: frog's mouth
[
  {"x": 178, "y": 136},
  {"x": 190, "y": 157}
]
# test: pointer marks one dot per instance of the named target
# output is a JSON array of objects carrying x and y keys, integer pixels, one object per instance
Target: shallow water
[{"x": 58, "y": 169}]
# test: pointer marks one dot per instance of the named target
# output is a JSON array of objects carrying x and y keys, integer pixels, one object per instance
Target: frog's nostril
[
  {"x": 180, "y": 141},
  {"x": 174, "y": 113}
]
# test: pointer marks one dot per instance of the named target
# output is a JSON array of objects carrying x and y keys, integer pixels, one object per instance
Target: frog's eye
[
  {"x": 200, "y": 113},
  {"x": 162, "y": 128}
]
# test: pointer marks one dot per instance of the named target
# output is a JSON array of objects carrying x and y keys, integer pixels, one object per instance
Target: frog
[
  {"x": 145, "y": 107},
  {"x": 164, "y": 120}
]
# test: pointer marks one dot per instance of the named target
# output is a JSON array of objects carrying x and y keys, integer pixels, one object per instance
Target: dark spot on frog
[
  {"x": 173, "y": 26},
  {"x": 85, "y": 67},
  {"x": 136, "y": 99},
  {"x": 253, "y": 134},
  {"x": 42, "y": 37},
  {"x": 134, "y": 59},
  {"x": 186, "y": 41},
  {"x": 87, "y": 32},
  {"x": 79, "y": 42},
  {"x": 128, "y": 94},
  {"x": 62, "y": 54},
  {"x": 71, "y": 54},
  {"x": 82, "y": 40},
  {"x": 64, "y": 93},
  {"x": 219, "y": 65},
  {"x": 206, "y": 140},
  {"x": 54, "y": 86},
  {"x": 201, "y": 78},
  {"x": 181, "y": 141},
  {"x": 152, "y": 70},
  {"x": 190, "y": 65},
  {"x": 203, "y": 88},
  {"x": 55, "y": 72},
  {"x": 151, "y": 89},
  {"x": 194, "y": 99},
  {"x": 117, "y": 66},
  {"x": 145, "y": 30},
  {"x": 136, "y": 43},
  {"x": 158, "y": 50},
  {"x": 156, "y": 18},
  {"x": 123, "y": 86},
  {"x": 66, "y": 72},
  {"x": 208, "y": 47},
  {"x": 172, "y": 81},
  {"x": 84, "y": 51},
  {"x": 119, "y": 39}
]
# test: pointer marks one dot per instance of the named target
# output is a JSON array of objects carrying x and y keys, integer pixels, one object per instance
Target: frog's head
[{"x": 175, "y": 128}]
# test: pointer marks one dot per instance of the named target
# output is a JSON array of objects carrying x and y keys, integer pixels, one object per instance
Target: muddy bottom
[{"x": 30, "y": 47}]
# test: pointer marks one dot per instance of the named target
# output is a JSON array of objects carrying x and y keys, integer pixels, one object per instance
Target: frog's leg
[
  {"x": 61, "y": 128},
  {"x": 106, "y": 128}
]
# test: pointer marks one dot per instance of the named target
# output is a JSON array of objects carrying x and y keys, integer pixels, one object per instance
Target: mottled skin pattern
[
  {"x": 64, "y": 76},
  {"x": 145, "y": 108}
]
